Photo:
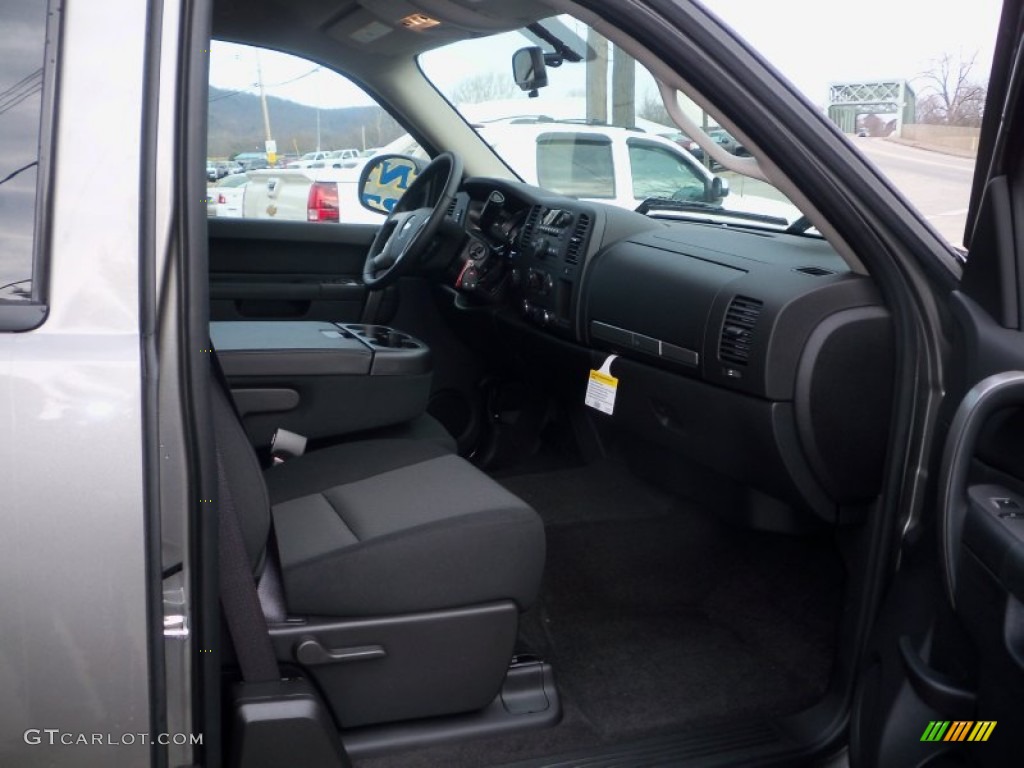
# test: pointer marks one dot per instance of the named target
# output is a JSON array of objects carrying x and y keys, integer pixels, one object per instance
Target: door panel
[
  {"x": 943, "y": 681},
  {"x": 981, "y": 532},
  {"x": 261, "y": 270}
]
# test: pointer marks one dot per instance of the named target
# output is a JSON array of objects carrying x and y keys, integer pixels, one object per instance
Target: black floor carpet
[{"x": 657, "y": 616}]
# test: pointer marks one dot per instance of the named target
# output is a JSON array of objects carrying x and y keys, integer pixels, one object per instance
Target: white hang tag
[{"x": 602, "y": 387}]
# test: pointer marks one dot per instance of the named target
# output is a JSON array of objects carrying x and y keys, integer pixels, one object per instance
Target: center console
[
  {"x": 552, "y": 245},
  {"x": 321, "y": 379}
]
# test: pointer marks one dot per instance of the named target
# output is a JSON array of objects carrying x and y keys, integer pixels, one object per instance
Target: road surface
[{"x": 938, "y": 185}]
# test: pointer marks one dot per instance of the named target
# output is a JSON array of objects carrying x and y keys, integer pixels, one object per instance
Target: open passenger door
[{"x": 943, "y": 683}]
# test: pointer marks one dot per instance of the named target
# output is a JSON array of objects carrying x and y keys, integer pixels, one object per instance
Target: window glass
[
  {"x": 291, "y": 136},
  {"x": 22, "y": 43},
  {"x": 606, "y": 94},
  {"x": 905, "y": 81},
  {"x": 576, "y": 165},
  {"x": 657, "y": 172}
]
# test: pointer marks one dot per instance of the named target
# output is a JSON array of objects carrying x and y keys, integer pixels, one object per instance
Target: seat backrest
[{"x": 242, "y": 473}]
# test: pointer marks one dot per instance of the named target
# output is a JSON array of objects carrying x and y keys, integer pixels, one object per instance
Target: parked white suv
[
  {"x": 611, "y": 164},
  {"x": 598, "y": 162}
]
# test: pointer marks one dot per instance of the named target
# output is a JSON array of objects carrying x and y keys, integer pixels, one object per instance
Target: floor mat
[{"x": 656, "y": 615}]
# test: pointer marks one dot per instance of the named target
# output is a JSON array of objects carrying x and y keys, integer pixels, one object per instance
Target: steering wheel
[{"x": 408, "y": 230}]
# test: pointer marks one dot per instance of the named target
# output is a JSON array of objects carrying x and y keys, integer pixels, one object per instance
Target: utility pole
[
  {"x": 597, "y": 78},
  {"x": 704, "y": 126},
  {"x": 271, "y": 147},
  {"x": 318, "y": 102},
  {"x": 623, "y": 89}
]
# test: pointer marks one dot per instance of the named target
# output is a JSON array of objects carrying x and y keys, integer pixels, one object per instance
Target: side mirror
[
  {"x": 384, "y": 179},
  {"x": 529, "y": 70},
  {"x": 719, "y": 188}
]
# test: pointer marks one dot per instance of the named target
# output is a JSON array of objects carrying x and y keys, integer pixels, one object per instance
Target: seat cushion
[
  {"x": 397, "y": 526},
  {"x": 423, "y": 427}
]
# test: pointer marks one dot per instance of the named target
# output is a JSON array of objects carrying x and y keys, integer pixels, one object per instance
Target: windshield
[
  {"x": 598, "y": 130},
  {"x": 906, "y": 81}
]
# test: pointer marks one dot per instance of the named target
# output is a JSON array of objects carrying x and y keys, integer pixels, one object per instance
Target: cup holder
[{"x": 382, "y": 337}]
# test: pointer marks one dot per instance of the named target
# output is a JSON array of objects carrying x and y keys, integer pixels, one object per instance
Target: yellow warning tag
[{"x": 602, "y": 387}]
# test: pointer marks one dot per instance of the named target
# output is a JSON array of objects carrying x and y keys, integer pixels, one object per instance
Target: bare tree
[
  {"x": 485, "y": 86},
  {"x": 949, "y": 95},
  {"x": 652, "y": 108}
]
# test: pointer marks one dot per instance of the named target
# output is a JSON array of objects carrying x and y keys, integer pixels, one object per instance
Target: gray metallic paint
[{"x": 73, "y": 643}]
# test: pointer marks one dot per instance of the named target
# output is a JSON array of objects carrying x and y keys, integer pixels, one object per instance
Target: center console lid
[
  {"x": 298, "y": 348},
  {"x": 321, "y": 379}
]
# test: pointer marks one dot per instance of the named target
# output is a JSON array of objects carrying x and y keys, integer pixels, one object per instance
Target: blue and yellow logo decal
[{"x": 387, "y": 182}]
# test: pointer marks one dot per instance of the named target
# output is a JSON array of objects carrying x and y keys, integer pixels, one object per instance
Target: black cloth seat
[
  {"x": 379, "y": 527},
  {"x": 423, "y": 427},
  {"x": 399, "y": 526}
]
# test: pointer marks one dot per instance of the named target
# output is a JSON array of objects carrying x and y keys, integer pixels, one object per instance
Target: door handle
[
  {"x": 310, "y": 653},
  {"x": 985, "y": 398}
]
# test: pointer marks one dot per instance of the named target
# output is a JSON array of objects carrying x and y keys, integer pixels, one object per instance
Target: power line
[
  {"x": 314, "y": 70},
  {"x": 295, "y": 79},
  {"x": 37, "y": 74},
  {"x": 12, "y": 174},
  {"x": 16, "y": 100},
  {"x": 15, "y": 282},
  {"x": 222, "y": 96}
]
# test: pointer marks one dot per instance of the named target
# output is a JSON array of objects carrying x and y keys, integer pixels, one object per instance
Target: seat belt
[
  {"x": 242, "y": 610},
  {"x": 275, "y": 721},
  {"x": 238, "y": 597}
]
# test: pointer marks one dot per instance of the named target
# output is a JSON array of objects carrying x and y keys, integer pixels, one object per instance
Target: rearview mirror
[
  {"x": 384, "y": 180},
  {"x": 529, "y": 70}
]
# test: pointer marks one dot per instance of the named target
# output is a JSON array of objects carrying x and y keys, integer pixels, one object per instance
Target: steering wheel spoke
[
  {"x": 407, "y": 233},
  {"x": 382, "y": 260}
]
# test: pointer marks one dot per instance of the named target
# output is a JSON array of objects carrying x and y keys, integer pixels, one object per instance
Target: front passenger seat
[{"x": 403, "y": 568}]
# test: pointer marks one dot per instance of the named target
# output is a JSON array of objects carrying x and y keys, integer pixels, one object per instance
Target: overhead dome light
[{"x": 418, "y": 21}]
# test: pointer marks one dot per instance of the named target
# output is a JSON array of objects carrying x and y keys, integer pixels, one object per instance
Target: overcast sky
[{"x": 813, "y": 42}]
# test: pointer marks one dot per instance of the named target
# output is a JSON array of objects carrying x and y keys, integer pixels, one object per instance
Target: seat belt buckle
[{"x": 286, "y": 445}]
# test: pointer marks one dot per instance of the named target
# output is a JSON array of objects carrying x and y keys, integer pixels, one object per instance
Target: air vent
[
  {"x": 814, "y": 271},
  {"x": 531, "y": 222},
  {"x": 738, "y": 329},
  {"x": 579, "y": 237}
]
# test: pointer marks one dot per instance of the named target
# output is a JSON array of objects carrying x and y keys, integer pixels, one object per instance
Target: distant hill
[{"x": 236, "y": 125}]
